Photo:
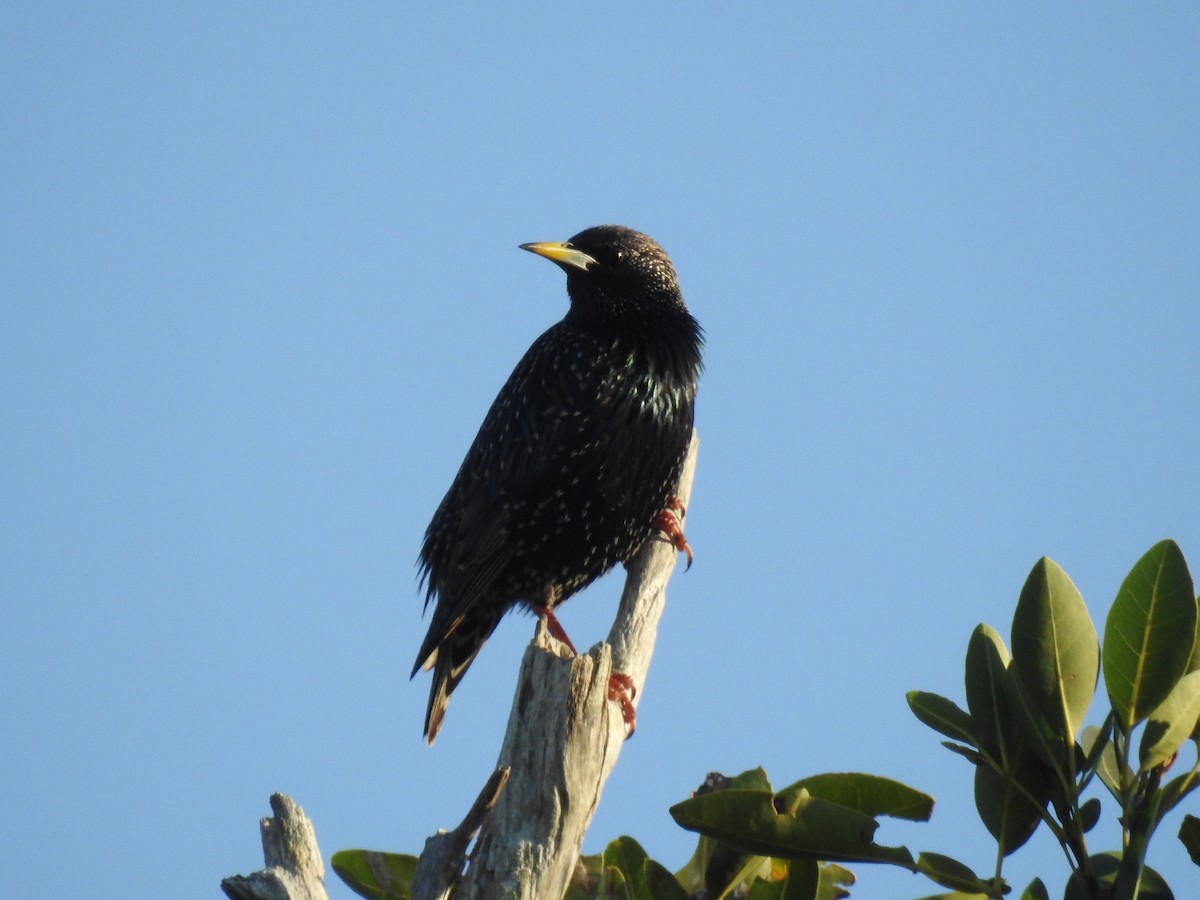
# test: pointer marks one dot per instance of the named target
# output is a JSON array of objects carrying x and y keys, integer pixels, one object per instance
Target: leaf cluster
[
  {"x": 1023, "y": 726},
  {"x": 1022, "y": 729}
]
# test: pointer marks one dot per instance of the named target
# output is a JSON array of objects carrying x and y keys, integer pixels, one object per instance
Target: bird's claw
[
  {"x": 669, "y": 522},
  {"x": 621, "y": 690}
]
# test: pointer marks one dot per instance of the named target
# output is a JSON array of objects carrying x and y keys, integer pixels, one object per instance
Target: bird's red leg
[
  {"x": 668, "y": 521},
  {"x": 554, "y": 626},
  {"x": 622, "y": 691}
]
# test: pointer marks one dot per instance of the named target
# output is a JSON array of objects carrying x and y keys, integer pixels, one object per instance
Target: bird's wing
[{"x": 514, "y": 465}]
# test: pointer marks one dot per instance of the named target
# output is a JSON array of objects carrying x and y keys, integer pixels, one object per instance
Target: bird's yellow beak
[{"x": 563, "y": 254}]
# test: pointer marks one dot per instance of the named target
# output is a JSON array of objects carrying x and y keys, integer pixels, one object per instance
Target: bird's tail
[{"x": 450, "y": 660}]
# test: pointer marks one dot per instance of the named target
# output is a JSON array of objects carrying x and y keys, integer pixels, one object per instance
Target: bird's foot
[
  {"x": 670, "y": 522},
  {"x": 554, "y": 626},
  {"x": 621, "y": 690}
]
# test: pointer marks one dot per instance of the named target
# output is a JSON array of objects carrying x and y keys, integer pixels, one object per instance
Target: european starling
[{"x": 574, "y": 465}]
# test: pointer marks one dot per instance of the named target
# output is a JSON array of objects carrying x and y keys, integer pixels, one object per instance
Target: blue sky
[{"x": 261, "y": 281}]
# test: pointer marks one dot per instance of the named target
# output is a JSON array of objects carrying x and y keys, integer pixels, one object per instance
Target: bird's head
[{"x": 614, "y": 272}]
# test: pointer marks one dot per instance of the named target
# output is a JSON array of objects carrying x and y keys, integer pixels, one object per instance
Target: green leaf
[
  {"x": 1150, "y": 633},
  {"x": 789, "y": 824},
  {"x": 691, "y": 876},
  {"x": 661, "y": 884},
  {"x": 1003, "y": 807},
  {"x": 834, "y": 881},
  {"x": 952, "y": 874},
  {"x": 765, "y": 890},
  {"x": 1009, "y": 816},
  {"x": 1106, "y": 866},
  {"x": 987, "y": 661},
  {"x": 752, "y": 868},
  {"x": 612, "y": 886},
  {"x": 751, "y": 780},
  {"x": 970, "y": 754},
  {"x": 625, "y": 854},
  {"x": 1036, "y": 733},
  {"x": 640, "y": 877},
  {"x": 1055, "y": 650},
  {"x": 1189, "y": 833},
  {"x": 1194, "y": 665},
  {"x": 803, "y": 880},
  {"x": 1171, "y": 723},
  {"x": 1194, "y": 662},
  {"x": 1089, "y": 814},
  {"x": 799, "y": 879},
  {"x": 728, "y": 866},
  {"x": 943, "y": 716},
  {"x": 1093, "y": 740},
  {"x": 1105, "y": 761},
  {"x": 714, "y": 863},
  {"x": 1035, "y": 891},
  {"x": 869, "y": 794},
  {"x": 376, "y": 875},
  {"x": 1174, "y": 791}
]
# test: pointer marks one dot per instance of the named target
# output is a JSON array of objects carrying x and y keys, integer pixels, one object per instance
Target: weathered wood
[
  {"x": 441, "y": 862},
  {"x": 294, "y": 869},
  {"x": 563, "y": 739}
]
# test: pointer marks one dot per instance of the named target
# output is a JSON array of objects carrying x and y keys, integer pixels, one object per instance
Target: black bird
[{"x": 574, "y": 465}]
